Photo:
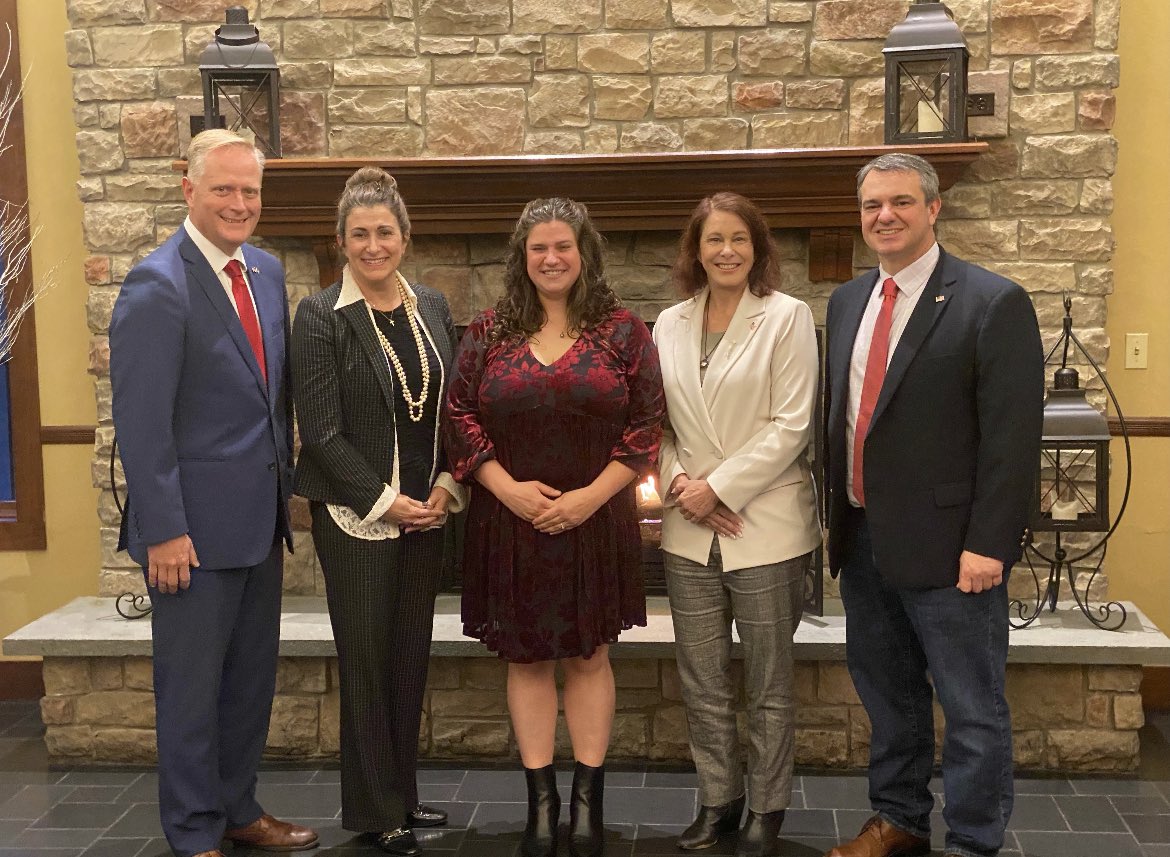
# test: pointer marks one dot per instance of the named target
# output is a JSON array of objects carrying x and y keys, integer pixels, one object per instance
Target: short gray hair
[
  {"x": 903, "y": 163},
  {"x": 206, "y": 142}
]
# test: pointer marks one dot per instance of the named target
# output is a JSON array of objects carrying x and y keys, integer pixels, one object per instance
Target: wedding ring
[{"x": 562, "y": 527}]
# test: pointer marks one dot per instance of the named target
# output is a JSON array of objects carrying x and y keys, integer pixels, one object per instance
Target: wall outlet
[{"x": 1137, "y": 347}]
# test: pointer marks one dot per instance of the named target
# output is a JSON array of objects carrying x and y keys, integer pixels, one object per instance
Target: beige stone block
[
  {"x": 443, "y": 673},
  {"x": 305, "y": 75},
  {"x": 125, "y": 746},
  {"x": 614, "y": 53},
  {"x": 468, "y": 703},
  {"x": 329, "y": 735},
  {"x": 616, "y": 249},
  {"x": 1106, "y": 24},
  {"x": 815, "y": 94},
  {"x": 1071, "y": 155},
  {"x": 68, "y": 741},
  {"x": 1088, "y": 310},
  {"x": 1022, "y": 74},
  {"x": 777, "y": 51},
  {"x": 301, "y": 568},
  {"x": 375, "y": 141},
  {"x": 103, "y": 395},
  {"x": 1093, "y": 750},
  {"x": 87, "y": 13},
  {"x": 859, "y": 737},
  {"x": 559, "y": 101},
  {"x": 758, "y": 96},
  {"x": 867, "y": 118},
  {"x": 178, "y": 82},
  {"x": 640, "y": 282},
  {"x": 294, "y": 726},
  {"x": 113, "y": 84},
  {"x": 1001, "y": 161},
  {"x": 482, "y": 69},
  {"x": 109, "y": 116},
  {"x": 1025, "y": 196},
  {"x": 288, "y": 9},
  {"x": 1041, "y": 26},
  {"x": 635, "y": 672},
  {"x": 806, "y": 682},
  {"x": 1054, "y": 278},
  {"x": 637, "y": 15},
  {"x": 475, "y": 121},
  {"x": 1096, "y": 196},
  {"x": 487, "y": 285},
  {"x": 116, "y": 708},
  {"x": 970, "y": 15},
  {"x": 367, "y": 106},
  {"x": 1043, "y": 114},
  {"x": 600, "y": 139},
  {"x": 105, "y": 673},
  {"x": 302, "y": 124},
  {"x": 526, "y": 45},
  {"x": 1127, "y": 711},
  {"x": 301, "y": 675},
  {"x": 85, "y": 115},
  {"x": 57, "y": 710},
  {"x": 553, "y": 143},
  {"x": 150, "y": 130},
  {"x": 123, "y": 47},
  {"x": 822, "y": 715},
  {"x": 90, "y": 189},
  {"x": 484, "y": 674},
  {"x": 719, "y": 13},
  {"x": 560, "y": 53},
  {"x": 1098, "y": 710},
  {"x": 835, "y": 686},
  {"x": 382, "y": 72},
  {"x": 115, "y": 226},
  {"x": 799, "y": 129},
  {"x": 828, "y": 748},
  {"x": 1055, "y": 72},
  {"x": 670, "y": 726},
  {"x": 318, "y": 39},
  {"x": 625, "y": 98},
  {"x": 629, "y": 737},
  {"x": 979, "y": 239},
  {"x": 1087, "y": 239},
  {"x": 353, "y": 8},
  {"x": 638, "y": 699},
  {"x": 650, "y": 137},
  {"x": 857, "y": 19},
  {"x": 468, "y": 738},
  {"x": 382, "y": 38},
  {"x": 196, "y": 10},
  {"x": 711, "y": 135},
  {"x": 567, "y": 16},
  {"x": 99, "y": 151},
  {"x": 678, "y": 52},
  {"x": 1096, "y": 111},
  {"x": 690, "y": 96},
  {"x": 139, "y": 673},
  {"x": 723, "y": 55},
  {"x": 445, "y": 17},
  {"x": 791, "y": 12},
  {"x": 964, "y": 201},
  {"x": 846, "y": 59},
  {"x": 998, "y": 83},
  {"x": 1119, "y": 679},
  {"x": 1028, "y": 749},
  {"x": 78, "y": 50}
]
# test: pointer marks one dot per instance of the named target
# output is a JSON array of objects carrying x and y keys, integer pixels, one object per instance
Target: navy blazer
[
  {"x": 206, "y": 445},
  {"x": 953, "y": 448}
]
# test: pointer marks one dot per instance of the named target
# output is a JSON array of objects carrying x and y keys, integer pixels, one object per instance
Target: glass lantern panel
[
  {"x": 244, "y": 106},
  {"x": 924, "y": 98},
  {"x": 1068, "y": 483}
]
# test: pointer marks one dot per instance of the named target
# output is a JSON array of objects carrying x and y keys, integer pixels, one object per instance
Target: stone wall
[
  {"x": 389, "y": 78},
  {"x": 1066, "y": 718}
]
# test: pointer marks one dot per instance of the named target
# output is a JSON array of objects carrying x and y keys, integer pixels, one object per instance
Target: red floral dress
[{"x": 530, "y": 596}]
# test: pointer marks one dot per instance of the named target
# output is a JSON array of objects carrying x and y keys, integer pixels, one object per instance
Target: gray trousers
[{"x": 766, "y": 602}]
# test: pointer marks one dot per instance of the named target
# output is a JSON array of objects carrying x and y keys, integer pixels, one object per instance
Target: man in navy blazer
[
  {"x": 198, "y": 366},
  {"x": 935, "y": 395}
]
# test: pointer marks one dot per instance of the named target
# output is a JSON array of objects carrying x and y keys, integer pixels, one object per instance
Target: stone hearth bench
[{"x": 1074, "y": 690}]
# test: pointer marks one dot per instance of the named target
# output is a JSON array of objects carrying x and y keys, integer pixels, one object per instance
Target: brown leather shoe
[
  {"x": 879, "y": 838},
  {"x": 271, "y": 834}
]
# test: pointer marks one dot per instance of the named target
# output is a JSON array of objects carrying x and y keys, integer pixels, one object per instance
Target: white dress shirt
[{"x": 218, "y": 260}]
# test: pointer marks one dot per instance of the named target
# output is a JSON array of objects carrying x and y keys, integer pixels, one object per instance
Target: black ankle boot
[
  {"x": 586, "y": 830},
  {"x": 759, "y": 835},
  {"x": 544, "y": 810},
  {"x": 712, "y": 822}
]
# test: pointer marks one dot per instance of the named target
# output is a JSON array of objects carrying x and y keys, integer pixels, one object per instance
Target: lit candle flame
[{"x": 648, "y": 490}]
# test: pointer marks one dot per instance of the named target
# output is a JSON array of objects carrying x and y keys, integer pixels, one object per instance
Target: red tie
[
  {"x": 248, "y": 313},
  {"x": 875, "y": 373}
]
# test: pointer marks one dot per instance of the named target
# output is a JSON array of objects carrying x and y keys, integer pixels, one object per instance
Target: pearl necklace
[{"x": 414, "y": 406}]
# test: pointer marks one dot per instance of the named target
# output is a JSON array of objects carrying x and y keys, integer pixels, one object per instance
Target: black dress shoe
[
  {"x": 400, "y": 841},
  {"x": 426, "y": 816},
  {"x": 711, "y": 823},
  {"x": 760, "y": 834}
]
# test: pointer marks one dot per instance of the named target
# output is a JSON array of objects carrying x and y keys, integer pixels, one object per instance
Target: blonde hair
[{"x": 206, "y": 142}]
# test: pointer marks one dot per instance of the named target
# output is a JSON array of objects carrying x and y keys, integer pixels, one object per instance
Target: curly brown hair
[
  {"x": 519, "y": 313},
  {"x": 688, "y": 275}
]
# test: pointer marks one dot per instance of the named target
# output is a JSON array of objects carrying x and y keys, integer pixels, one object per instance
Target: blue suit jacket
[
  {"x": 953, "y": 448},
  {"x": 206, "y": 445}
]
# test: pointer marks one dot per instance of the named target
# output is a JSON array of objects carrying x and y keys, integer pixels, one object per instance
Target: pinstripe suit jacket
[{"x": 344, "y": 394}]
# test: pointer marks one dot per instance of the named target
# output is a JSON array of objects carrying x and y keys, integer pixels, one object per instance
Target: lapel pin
[
  {"x": 255, "y": 270},
  {"x": 938, "y": 299},
  {"x": 752, "y": 326}
]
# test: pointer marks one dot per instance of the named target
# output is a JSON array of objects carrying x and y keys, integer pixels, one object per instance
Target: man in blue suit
[
  {"x": 201, "y": 408},
  {"x": 935, "y": 376}
]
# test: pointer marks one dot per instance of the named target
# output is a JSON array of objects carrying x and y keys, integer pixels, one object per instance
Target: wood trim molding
[
  {"x": 1141, "y": 426},
  {"x": 21, "y": 680},
  {"x": 64, "y": 435},
  {"x": 22, "y": 523}
]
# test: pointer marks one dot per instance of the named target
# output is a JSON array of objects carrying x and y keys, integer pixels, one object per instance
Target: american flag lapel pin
[
  {"x": 255, "y": 270},
  {"x": 938, "y": 299}
]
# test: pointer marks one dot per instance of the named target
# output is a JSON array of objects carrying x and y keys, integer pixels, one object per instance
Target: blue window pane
[{"x": 6, "y": 492}]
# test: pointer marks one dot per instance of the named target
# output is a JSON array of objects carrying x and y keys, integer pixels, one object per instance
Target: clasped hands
[
  {"x": 549, "y": 510},
  {"x": 699, "y": 504},
  {"x": 415, "y": 515}
]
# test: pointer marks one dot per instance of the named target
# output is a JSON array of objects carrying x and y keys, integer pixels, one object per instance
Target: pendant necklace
[{"x": 704, "y": 354}]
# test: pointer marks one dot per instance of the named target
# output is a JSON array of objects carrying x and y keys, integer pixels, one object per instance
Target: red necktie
[
  {"x": 248, "y": 313},
  {"x": 875, "y": 373}
]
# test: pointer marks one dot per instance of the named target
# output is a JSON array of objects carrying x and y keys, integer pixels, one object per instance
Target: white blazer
[{"x": 746, "y": 429}]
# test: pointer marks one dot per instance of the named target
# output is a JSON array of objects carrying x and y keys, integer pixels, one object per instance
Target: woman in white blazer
[{"x": 739, "y": 365}]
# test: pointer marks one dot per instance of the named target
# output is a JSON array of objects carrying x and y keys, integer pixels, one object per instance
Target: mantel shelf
[{"x": 806, "y": 188}]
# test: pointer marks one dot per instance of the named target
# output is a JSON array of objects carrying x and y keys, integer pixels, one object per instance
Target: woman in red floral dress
[{"x": 555, "y": 407}]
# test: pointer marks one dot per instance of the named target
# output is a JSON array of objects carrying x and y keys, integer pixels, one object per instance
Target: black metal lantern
[
  {"x": 926, "y": 78},
  {"x": 239, "y": 71},
  {"x": 1072, "y": 489}
]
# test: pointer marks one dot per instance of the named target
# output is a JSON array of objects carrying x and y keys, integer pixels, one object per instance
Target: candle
[{"x": 929, "y": 121}]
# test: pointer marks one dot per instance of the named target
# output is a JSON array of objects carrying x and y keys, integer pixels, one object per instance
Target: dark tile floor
[{"x": 74, "y": 813}]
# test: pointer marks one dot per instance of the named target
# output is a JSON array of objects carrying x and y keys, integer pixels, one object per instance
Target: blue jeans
[{"x": 894, "y": 638}]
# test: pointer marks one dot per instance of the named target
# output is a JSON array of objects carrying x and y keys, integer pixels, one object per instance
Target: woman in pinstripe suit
[{"x": 370, "y": 361}]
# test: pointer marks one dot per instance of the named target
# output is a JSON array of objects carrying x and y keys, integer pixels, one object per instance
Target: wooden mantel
[{"x": 808, "y": 188}]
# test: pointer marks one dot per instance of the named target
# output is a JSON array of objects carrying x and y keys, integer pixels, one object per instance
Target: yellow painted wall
[
  {"x": 35, "y": 582},
  {"x": 1139, "y": 555}
]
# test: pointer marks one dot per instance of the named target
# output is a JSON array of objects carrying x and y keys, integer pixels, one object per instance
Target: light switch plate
[{"x": 1137, "y": 347}]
